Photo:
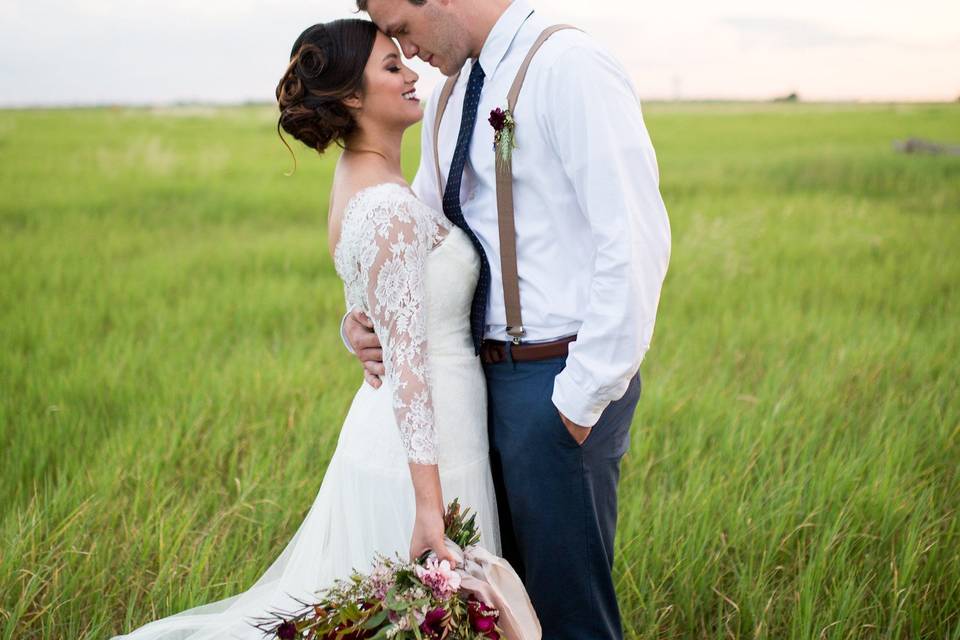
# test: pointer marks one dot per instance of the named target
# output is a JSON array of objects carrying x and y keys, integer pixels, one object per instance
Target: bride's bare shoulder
[
  {"x": 357, "y": 174},
  {"x": 351, "y": 179}
]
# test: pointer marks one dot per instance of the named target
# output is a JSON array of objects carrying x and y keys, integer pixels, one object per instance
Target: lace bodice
[{"x": 386, "y": 236}]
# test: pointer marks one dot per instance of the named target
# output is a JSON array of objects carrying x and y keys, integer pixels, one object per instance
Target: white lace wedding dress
[{"x": 414, "y": 274}]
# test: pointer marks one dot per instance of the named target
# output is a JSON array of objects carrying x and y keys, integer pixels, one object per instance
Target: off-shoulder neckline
[
  {"x": 355, "y": 198},
  {"x": 371, "y": 187},
  {"x": 352, "y": 201}
]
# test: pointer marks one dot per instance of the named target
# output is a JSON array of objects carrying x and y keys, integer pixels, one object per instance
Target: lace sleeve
[{"x": 395, "y": 296}]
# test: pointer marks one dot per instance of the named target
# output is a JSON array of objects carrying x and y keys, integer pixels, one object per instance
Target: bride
[{"x": 421, "y": 437}]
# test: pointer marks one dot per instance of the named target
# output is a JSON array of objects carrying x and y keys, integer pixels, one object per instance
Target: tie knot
[{"x": 476, "y": 73}]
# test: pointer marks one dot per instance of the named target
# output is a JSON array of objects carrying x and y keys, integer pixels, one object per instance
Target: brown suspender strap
[
  {"x": 522, "y": 72},
  {"x": 505, "y": 212}
]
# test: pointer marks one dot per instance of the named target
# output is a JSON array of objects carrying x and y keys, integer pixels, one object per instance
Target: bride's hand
[{"x": 428, "y": 536}]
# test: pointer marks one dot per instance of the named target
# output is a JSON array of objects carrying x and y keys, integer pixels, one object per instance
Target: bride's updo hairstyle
[{"x": 326, "y": 66}]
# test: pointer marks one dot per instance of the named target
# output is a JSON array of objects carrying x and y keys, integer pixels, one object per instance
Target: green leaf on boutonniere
[{"x": 505, "y": 138}]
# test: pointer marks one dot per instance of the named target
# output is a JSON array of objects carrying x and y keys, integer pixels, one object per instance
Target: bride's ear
[{"x": 354, "y": 101}]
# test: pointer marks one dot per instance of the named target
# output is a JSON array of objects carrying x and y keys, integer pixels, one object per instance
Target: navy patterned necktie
[{"x": 451, "y": 200}]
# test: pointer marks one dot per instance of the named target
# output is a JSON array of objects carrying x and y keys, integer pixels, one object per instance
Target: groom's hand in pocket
[
  {"x": 578, "y": 433},
  {"x": 366, "y": 345}
]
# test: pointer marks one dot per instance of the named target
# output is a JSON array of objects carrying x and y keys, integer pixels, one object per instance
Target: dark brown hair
[
  {"x": 362, "y": 4},
  {"x": 326, "y": 67}
]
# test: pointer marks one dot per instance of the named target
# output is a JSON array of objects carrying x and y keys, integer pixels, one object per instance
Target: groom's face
[{"x": 431, "y": 31}]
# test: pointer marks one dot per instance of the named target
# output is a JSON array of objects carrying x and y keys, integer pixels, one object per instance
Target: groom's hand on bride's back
[{"x": 366, "y": 346}]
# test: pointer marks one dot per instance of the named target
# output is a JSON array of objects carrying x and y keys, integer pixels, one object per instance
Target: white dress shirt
[{"x": 593, "y": 238}]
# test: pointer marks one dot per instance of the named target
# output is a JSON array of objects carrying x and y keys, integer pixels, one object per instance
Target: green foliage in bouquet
[{"x": 458, "y": 527}]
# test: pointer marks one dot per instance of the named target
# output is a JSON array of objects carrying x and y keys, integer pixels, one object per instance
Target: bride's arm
[
  {"x": 428, "y": 525},
  {"x": 396, "y": 299}
]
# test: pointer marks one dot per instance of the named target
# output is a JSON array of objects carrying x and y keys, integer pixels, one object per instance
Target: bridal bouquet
[{"x": 400, "y": 600}]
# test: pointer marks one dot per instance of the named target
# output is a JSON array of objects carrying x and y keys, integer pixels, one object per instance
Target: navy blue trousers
[{"x": 557, "y": 500}]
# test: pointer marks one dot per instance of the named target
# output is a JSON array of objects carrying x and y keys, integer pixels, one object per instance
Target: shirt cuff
[
  {"x": 343, "y": 332},
  {"x": 575, "y": 403}
]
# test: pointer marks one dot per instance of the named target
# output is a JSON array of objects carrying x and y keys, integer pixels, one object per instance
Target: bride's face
[{"x": 389, "y": 95}]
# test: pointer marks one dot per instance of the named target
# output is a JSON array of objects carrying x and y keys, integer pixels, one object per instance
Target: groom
[{"x": 592, "y": 247}]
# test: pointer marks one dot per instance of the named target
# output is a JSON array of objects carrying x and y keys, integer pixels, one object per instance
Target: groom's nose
[{"x": 409, "y": 49}]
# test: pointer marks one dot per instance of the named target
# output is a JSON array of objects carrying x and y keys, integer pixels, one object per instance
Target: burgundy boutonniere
[{"x": 504, "y": 138}]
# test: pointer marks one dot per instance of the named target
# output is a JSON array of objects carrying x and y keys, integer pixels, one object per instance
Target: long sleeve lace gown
[{"x": 414, "y": 274}]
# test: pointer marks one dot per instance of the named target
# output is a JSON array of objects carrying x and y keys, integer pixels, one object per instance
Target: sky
[{"x": 56, "y": 52}]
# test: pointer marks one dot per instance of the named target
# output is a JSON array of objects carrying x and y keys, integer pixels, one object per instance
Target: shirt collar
[{"x": 502, "y": 35}]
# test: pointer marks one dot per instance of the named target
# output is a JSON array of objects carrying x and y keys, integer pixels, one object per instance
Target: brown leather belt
[{"x": 494, "y": 351}]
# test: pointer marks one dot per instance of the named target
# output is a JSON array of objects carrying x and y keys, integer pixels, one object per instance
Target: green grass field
[{"x": 172, "y": 381}]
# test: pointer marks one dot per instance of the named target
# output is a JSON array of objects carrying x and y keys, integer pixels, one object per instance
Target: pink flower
[
  {"x": 381, "y": 579},
  {"x": 440, "y": 577}
]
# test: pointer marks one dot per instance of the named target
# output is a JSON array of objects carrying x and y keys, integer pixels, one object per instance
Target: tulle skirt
[{"x": 365, "y": 505}]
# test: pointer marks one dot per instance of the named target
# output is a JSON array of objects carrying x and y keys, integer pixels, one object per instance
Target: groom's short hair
[{"x": 362, "y": 4}]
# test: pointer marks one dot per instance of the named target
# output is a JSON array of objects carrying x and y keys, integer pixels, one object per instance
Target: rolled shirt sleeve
[{"x": 343, "y": 331}]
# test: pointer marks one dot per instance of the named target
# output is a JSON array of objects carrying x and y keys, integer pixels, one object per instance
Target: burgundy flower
[
  {"x": 360, "y": 634},
  {"x": 483, "y": 625},
  {"x": 287, "y": 631},
  {"x": 434, "y": 622},
  {"x": 498, "y": 119},
  {"x": 483, "y": 618}
]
